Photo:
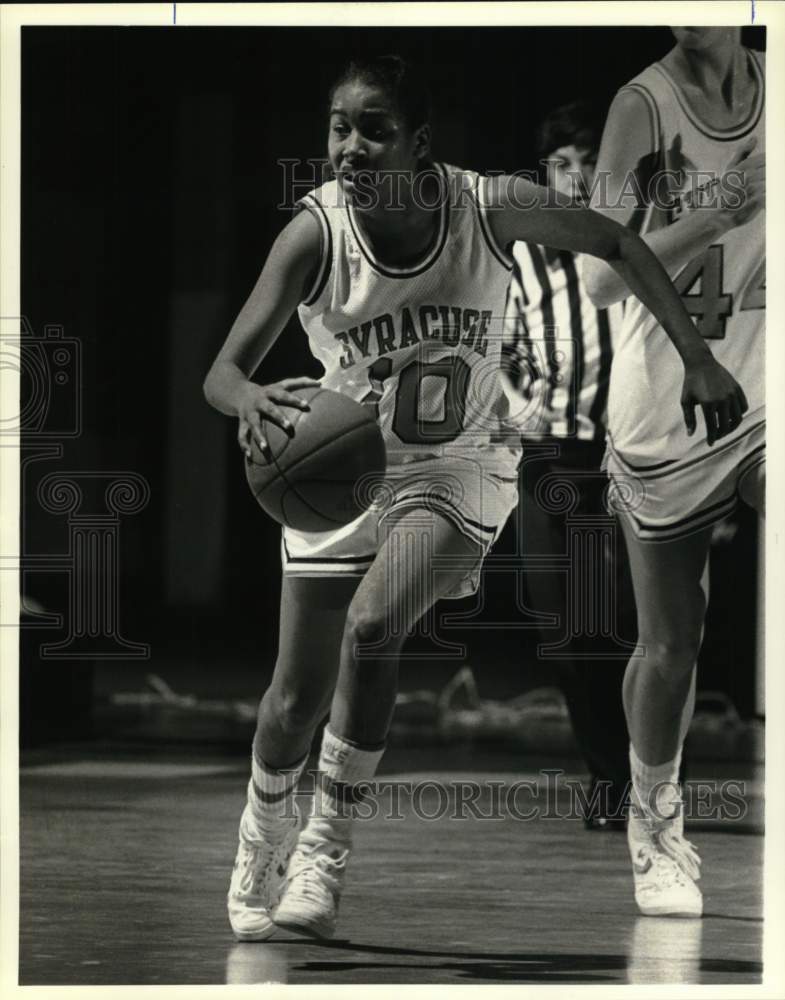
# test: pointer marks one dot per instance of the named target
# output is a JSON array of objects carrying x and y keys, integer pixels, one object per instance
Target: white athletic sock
[
  {"x": 270, "y": 792},
  {"x": 656, "y": 785},
  {"x": 342, "y": 764}
]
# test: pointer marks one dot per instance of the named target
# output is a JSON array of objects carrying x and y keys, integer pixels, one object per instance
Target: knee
[
  {"x": 674, "y": 655},
  {"x": 295, "y": 710},
  {"x": 371, "y": 630}
]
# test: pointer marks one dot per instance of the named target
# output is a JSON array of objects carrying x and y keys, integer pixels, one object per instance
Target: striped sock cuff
[
  {"x": 343, "y": 766},
  {"x": 346, "y": 761},
  {"x": 271, "y": 785},
  {"x": 335, "y": 799}
]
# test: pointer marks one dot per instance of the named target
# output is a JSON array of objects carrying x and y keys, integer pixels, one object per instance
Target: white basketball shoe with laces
[
  {"x": 665, "y": 865},
  {"x": 314, "y": 883},
  {"x": 259, "y": 874}
]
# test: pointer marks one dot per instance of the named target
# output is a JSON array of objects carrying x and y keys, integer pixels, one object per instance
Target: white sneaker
[
  {"x": 258, "y": 875},
  {"x": 313, "y": 886},
  {"x": 665, "y": 866}
]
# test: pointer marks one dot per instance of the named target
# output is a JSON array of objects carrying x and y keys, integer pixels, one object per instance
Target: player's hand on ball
[
  {"x": 263, "y": 402},
  {"x": 708, "y": 385},
  {"x": 744, "y": 186}
]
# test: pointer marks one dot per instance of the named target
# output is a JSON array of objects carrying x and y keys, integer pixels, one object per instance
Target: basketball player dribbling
[
  {"x": 689, "y": 131},
  {"x": 404, "y": 307}
]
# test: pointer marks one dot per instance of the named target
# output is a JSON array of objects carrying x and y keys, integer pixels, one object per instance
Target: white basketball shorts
[
  {"x": 672, "y": 499},
  {"x": 476, "y": 492}
]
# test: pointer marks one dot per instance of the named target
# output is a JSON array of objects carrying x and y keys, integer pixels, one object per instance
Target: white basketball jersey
[
  {"x": 723, "y": 288},
  {"x": 420, "y": 344}
]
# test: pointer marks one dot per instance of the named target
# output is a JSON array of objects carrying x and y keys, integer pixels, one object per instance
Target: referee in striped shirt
[{"x": 558, "y": 349}]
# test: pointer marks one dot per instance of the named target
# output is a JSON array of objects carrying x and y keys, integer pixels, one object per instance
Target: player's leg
[
  {"x": 424, "y": 557},
  {"x": 671, "y": 596},
  {"x": 312, "y": 620},
  {"x": 401, "y": 585},
  {"x": 313, "y": 613}
]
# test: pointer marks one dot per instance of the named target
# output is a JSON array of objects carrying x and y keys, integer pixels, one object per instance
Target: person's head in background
[
  {"x": 568, "y": 140},
  {"x": 704, "y": 39}
]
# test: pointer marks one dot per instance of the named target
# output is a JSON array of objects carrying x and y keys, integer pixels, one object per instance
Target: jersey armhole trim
[
  {"x": 325, "y": 249},
  {"x": 655, "y": 123},
  {"x": 504, "y": 258}
]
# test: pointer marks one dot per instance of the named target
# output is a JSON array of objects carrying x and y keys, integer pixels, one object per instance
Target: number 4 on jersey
[
  {"x": 755, "y": 293},
  {"x": 710, "y": 306},
  {"x": 708, "y": 303}
]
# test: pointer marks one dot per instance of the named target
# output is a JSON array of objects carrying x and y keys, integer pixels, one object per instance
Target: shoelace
[
  {"x": 257, "y": 862},
  {"x": 254, "y": 864},
  {"x": 310, "y": 873},
  {"x": 667, "y": 872},
  {"x": 681, "y": 851},
  {"x": 668, "y": 836}
]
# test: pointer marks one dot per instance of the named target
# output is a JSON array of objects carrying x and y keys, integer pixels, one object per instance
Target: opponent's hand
[
  {"x": 743, "y": 188},
  {"x": 708, "y": 385},
  {"x": 264, "y": 402}
]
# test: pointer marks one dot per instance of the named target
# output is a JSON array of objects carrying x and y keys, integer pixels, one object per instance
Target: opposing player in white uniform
[
  {"x": 682, "y": 159},
  {"x": 402, "y": 295}
]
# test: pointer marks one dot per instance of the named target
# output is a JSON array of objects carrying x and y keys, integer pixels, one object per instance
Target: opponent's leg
[
  {"x": 401, "y": 585},
  {"x": 671, "y": 605},
  {"x": 671, "y": 596},
  {"x": 313, "y": 613}
]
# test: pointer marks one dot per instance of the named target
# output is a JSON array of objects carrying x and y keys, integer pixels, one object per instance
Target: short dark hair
[
  {"x": 578, "y": 123},
  {"x": 404, "y": 84}
]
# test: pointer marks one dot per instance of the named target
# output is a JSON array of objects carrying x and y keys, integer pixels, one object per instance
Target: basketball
[{"x": 318, "y": 479}]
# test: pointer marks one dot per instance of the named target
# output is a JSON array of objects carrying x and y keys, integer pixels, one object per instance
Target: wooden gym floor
[{"x": 125, "y": 860}]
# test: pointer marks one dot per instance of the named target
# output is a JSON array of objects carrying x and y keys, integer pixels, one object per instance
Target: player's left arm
[{"x": 521, "y": 210}]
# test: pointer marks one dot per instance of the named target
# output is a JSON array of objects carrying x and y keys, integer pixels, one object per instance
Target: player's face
[
  {"x": 368, "y": 136},
  {"x": 571, "y": 170},
  {"x": 702, "y": 38}
]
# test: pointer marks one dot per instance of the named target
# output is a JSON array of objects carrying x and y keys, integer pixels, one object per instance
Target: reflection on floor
[{"x": 125, "y": 864}]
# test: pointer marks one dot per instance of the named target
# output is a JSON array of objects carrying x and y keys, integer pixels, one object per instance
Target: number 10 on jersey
[{"x": 438, "y": 388}]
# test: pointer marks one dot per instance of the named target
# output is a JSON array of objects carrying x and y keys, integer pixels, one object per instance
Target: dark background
[{"x": 150, "y": 187}]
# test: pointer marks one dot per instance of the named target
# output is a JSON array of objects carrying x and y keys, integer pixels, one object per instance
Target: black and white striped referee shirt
[{"x": 557, "y": 346}]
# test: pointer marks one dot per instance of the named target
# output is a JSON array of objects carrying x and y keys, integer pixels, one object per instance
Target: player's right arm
[
  {"x": 628, "y": 153},
  {"x": 284, "y": 282}
]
